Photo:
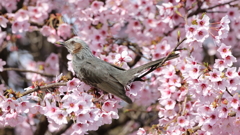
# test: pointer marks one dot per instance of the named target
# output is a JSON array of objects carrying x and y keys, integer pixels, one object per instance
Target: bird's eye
[{"x": 72, "y": 42}]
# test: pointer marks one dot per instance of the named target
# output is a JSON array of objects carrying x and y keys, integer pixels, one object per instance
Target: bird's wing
[
  {"x": 95, "y": 71},
  {"x": 100, "y": 74}
]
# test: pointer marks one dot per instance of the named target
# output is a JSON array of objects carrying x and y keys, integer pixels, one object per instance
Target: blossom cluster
[{"x": 187, "y": 95}]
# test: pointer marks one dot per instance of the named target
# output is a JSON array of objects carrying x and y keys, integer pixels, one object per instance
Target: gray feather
[{"x": 101, "y": 74}]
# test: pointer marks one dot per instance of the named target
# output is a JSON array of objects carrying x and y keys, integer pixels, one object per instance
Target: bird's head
[{"x": 75, "y": 46}]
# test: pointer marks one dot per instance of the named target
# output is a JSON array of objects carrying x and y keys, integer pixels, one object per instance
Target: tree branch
[
  {"x": 222, "y": 4},
  {"x": 184, "y": 106},
  {"x": 42, "y": 126},
  {"x": 199, "y": 10},
  {"x": 53, "y": 85},
  {"x": 31, "y": 71},
  {"x": 229, "y": 92}
]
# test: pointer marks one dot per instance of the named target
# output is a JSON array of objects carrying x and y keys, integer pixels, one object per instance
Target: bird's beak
[{"x": 60, "y": 43}]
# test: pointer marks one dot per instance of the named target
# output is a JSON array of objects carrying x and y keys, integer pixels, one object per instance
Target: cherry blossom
[
  {"x": 22, "y": 15},
  {"x": 182, "y": 122},
  {"x": 224, "y": 50},
  {"x": 20, "y": 26},
  {"x": 123, "y": 57},
  {"x": 220, "y": 64},
  {"x": 192, "y": 94},
  {"x": 64, "y": 30},
  {"x": 215, "y": 75}
]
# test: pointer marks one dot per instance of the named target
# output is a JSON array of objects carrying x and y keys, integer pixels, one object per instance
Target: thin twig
[
  {"x": 229, "y": 92},
  {"x": 170, "y": 31},
  {"x": 30, "y": 71},
  {"x": 163, "y": 61},
  {"x": 218, "y": 5},
  {"x": 193, "y": 130},
  {"x": 44, "y": 87},
  {"x": 216, "y": 11},
  {"x": 199, "y": 10},
  {"x": 184, "y": 106}
]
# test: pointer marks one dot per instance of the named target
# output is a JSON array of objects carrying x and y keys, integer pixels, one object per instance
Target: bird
[{"x": 103, "y": 75}]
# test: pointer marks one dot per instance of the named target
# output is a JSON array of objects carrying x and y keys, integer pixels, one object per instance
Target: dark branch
[
  {"x": 222, "y": 4},
  {"x": 42, "y": 126},
  {"x": 44, "y": 87},
  {"x": 229, "y": 92},
  {"x": 199, "y": 10}
]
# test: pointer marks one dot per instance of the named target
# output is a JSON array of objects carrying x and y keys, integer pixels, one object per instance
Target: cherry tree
[{"x": 196, "y": 93}]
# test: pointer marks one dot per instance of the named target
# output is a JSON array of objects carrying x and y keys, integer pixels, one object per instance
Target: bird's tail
[{"x": 138, "y": 72}]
